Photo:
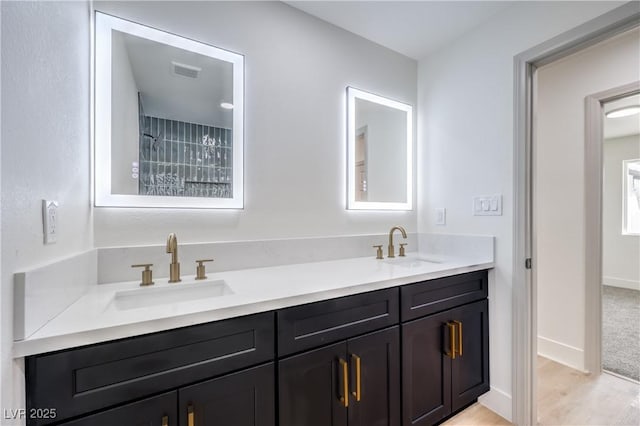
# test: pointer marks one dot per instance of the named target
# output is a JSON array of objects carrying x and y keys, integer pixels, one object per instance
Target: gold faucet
[
  {"x": 174, "y": 267},
  {"x": 404, "y": 235}
]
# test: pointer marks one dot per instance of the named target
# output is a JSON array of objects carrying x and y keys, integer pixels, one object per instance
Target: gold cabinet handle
[
  {"x": 452, "y": 340},
  {"x": 358, "y": 392},
  {"x": 459, "y": 324},
  {"x": 191, "y": 416},
  {"x": 344, "y": 398},
  {"x": 165, "y": 420}
]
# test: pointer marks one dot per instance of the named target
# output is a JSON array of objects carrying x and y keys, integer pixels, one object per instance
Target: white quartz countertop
[{"x": 95, "y": 318}]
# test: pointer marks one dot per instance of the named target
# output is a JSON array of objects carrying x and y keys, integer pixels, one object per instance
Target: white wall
[
  {"x": 297, "y": 70},
  {"x": 560, "y": 187},
  {"x": 620, "y": 253},
  {"x": 466, "y": 146},
  {"x": 45, "y": 147},
  {"x": 124, "y": 118}
]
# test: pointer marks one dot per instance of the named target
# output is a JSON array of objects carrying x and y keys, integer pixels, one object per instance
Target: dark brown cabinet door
[
  {"x": 376, "y": 381},
  {"x": 157, "y": 411},
  {"x": 426, "y": 371},
  {"x": 310, "y": 388},
  {"x": 436, "y": 384},
  {"x": 470, "y": 371},
  {"x": 312, "y": 385},
  {"x": 245, "y": 398}
]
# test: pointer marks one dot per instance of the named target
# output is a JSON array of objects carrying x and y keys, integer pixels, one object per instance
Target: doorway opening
[
  {"x": 568, "y": 224},
  {"x": 525, "y": 309},
  {"x": 621, "y": 237}
]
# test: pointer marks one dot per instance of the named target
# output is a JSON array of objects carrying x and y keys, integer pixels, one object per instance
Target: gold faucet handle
[
  {"x": 200, "y": 269},
  {"x": 147, "y": 273},
  {"x": 402, "y": 249},
  {"x": 379, "y": 252}
]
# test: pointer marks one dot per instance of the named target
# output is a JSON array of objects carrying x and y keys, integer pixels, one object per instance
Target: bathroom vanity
[{"x": 411, "y": 352}]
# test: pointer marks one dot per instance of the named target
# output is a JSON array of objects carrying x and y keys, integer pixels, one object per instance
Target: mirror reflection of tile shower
[
  {"x": 184, "y": 159},
  {"x": 168, "y": 119}
]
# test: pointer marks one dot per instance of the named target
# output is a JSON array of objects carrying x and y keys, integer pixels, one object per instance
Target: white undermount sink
[
  {"x": 411, "y": 262},
  {"x": 171, "y": 293}
]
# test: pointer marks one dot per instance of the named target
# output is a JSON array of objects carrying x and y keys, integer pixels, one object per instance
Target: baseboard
[
  {"x": 559, "y": 352},
  {"x": 497, "y": 401},
  {"x": 622, "y": 283}
]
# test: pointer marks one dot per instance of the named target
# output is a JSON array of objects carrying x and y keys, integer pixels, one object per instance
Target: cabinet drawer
[
  {"x": 156, "y": 411},
  {"x": 94, "y": 377},
  {"x": 432, "y": 296},
  {"x": 316, "y": 324}
]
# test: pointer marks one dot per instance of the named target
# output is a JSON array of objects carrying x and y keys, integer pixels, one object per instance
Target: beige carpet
[{"x": 621, "y": 331}]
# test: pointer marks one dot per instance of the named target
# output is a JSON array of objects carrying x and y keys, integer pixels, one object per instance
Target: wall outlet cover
[{"x": 50, "y": 221}]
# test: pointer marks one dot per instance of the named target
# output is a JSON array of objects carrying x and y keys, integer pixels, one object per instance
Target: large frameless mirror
[
  {"x": 379, "y": 154},
  {"x": 168, "y": 119}
]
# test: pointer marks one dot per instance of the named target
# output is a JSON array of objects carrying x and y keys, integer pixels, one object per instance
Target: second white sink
[{"x": 172, "y": 293}]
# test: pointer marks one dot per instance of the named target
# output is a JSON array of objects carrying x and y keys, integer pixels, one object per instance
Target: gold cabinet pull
[
  {"x": 452, "y": 340},
  {"x": 344, "y": 398},
  {"x": 191, "y": 416},
  {"x": 357, "y": 392},
  {"x": 459, "y": 324},
  {"x": 165, "y": 420}
]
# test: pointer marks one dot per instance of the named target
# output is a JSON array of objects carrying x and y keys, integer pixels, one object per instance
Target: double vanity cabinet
[{"x": 408, "y": 355}]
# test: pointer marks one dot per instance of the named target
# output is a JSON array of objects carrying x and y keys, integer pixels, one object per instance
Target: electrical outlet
[
  {"x": 50, "y": 221},
  {"x": 441, "y": 216}
]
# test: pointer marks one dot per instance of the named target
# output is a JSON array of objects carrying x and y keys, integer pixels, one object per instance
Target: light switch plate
[
  {"x": 441, "y": 216},
  {"x": 50, "y": 221},
  {"x": 487, "y": 205}
]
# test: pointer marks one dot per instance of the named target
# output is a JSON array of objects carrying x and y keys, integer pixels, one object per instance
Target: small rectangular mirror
[
  {"x": 168, "y": 119},
  {"x": 379, "y": 154}
]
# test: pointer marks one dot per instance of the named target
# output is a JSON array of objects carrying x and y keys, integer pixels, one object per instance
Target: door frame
[
  {"x": 524, "y": 300},
  {"x": 594, "y": 144}
]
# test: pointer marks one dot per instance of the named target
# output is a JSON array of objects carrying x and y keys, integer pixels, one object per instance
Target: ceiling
[
  {"x": 413, "y": 28},
  {"x": 168, "y": 95},
  {"x": 622, "y": 126},
  {"x": 420, "y": 27}
]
